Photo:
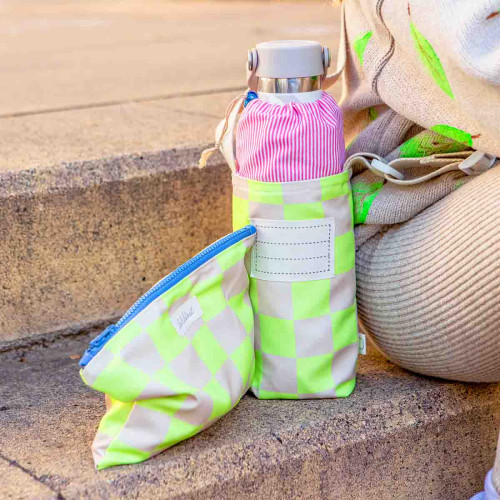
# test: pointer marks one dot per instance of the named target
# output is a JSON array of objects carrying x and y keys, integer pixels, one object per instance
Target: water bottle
[
  {"x": 289, "y": 182},
  {"x": 284, "y": 143}
]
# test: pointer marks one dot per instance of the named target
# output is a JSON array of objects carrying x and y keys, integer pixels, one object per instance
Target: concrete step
[
  {"x": 81, "y": 241},
  {"x": 399, "y": 436}
]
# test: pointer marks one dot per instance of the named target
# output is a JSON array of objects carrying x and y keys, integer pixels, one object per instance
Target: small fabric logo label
[{"x": 186, "y": 315}]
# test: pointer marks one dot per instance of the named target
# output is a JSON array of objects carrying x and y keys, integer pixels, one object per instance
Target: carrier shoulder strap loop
[
  {"x": 329, "y": 80},
  {"x": 470, "y": 162}
]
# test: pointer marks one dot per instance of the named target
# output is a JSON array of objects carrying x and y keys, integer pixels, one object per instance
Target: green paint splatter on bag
[
  {"x": 455, "y": 134},
  {"x": 372, "y": 114},
  {"x": 459, "y": 184},
  {"x": 431, "y": 60},
  {"x": 360, "y": 45},
  {"x": 427, "y": 143},
  {"x": 364, "y": 194}
]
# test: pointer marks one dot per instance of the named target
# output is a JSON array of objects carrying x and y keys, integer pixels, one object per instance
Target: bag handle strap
[
  {"x": 470, "y": 162},
  {"x": 329, "y": 80}
]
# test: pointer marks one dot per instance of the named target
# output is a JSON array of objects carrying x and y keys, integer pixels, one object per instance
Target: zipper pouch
[
  {"x": 302, "y": 285},
  {"x": 179, "y": 359}
]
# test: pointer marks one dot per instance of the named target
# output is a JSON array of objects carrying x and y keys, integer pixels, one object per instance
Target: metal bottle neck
[{"x": 289, "y": 85}]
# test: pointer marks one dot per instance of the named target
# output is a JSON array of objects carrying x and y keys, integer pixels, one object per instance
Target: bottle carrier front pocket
[
  {"x": 179, "y": 359},
  {"x": 302, "y": 285}
]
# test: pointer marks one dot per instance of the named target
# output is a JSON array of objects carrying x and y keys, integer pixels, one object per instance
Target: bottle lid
[{"x": 289, "y": 59}]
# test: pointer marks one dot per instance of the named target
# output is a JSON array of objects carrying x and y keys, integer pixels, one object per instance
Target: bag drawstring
[{"x": 207, "y": 153}]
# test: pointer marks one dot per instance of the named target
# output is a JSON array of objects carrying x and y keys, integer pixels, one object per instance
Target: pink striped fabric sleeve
[{"x": 291, "y": 142}]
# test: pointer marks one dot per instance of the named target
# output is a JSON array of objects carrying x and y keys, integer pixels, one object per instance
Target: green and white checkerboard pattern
[
  {"x": 164, "y": 387},
  {"x": 306, "y": 335}
]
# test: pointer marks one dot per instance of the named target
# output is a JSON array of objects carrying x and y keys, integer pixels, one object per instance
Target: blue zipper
[{"x": 162, "y": 286}]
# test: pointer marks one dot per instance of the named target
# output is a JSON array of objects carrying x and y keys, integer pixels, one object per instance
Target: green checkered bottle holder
[
  {"x": 302, "y": 285},
  {"x": 179, "y": 359}
]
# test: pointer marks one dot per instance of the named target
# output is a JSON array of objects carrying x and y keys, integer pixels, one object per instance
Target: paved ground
[
  {"x": 397, "y": 435},
  {"x": 87, "y": 79}
]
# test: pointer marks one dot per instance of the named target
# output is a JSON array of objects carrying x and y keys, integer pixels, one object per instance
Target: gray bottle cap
[{"x": 291, "y": 59}]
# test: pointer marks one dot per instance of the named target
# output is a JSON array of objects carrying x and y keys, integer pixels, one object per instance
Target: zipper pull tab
[
  {"x": 103, "y": 336},
  {"x": 96, "y": 345}
]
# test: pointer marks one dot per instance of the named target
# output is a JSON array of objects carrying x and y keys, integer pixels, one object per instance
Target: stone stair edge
[
  {"x": 85, "y": 174},
  {"x": 83, "y": 328}
]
